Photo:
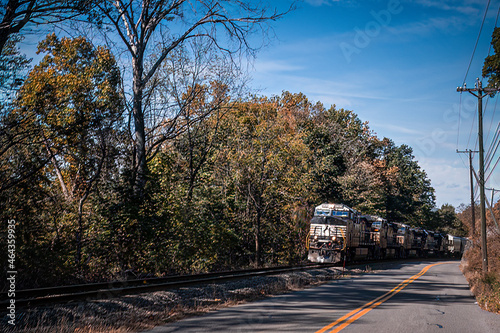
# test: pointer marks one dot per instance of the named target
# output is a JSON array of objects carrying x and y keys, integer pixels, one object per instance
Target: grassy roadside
[{"x": 484, "y": 286}]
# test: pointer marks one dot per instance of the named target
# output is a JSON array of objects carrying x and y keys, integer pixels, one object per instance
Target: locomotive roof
[{"x": 335, "y": 206}]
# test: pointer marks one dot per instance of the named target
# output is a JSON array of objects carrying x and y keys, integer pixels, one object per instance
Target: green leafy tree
[
  {"x": 324, "y": 139},
  {"x": 491, "y": 67},
  {"x": 448, "y": 221},
  {"x": 12, "y": 67},
  {"x": 346, "y": 159},
  {"x": 74, "y": 103},
  {"x": 410, "y": 196},
  {"x": 264, "y": 160}
]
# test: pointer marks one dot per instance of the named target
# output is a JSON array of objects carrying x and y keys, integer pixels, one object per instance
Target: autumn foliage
[{"x": 231, "y": 182}]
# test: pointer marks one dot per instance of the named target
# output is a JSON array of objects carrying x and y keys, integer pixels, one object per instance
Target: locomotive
[{"x": 340, "y": 233}]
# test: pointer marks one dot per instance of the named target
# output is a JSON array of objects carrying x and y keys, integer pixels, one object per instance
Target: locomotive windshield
[{"x": 328, "y": 220}]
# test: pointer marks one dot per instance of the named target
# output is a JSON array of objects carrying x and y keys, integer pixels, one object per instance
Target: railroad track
[{"x": 44, "y": 296}]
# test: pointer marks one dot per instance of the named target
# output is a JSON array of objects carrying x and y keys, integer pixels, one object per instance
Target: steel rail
[{"x": 105, "y": 290}]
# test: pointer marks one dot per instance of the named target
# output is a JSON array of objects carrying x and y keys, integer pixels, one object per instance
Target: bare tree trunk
[
  {"x": 140, "y": 169},
  {"x": 64, "y": 188},
  {"x": 79, "y": 233},
  {"x": 258, "y": 255}
]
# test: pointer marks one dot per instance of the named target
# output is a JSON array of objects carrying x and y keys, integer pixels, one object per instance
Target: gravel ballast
[{"x": 133, "y": 313}]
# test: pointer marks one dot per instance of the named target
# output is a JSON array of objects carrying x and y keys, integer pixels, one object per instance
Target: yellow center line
[{"x": 361, "y": 311}]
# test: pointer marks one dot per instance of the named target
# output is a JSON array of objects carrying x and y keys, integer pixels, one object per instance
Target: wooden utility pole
[
  {"x": 491, "y": 205},
  {"x": 492, "y": 195},
  {"x": 472, "y": 202},
  {"x": 478, "y": 91}
]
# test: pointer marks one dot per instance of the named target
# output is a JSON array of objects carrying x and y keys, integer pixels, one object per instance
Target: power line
[
  {"x": 494, "y": 167},
  {"x": 488, "y": 160},
  {"x": 498, "y": 12},
  {"x": 480, "y": 93},
  {"x": 463, "y": 162},
  {"x": 494, "y": 180},
  {"x": 492, "y": 144},
  {"x": 472, "y": 201},
  {"x": 492, "y": 117},
  {"x": 471, "y": 128},
  {"x": 477, "y": 40}
]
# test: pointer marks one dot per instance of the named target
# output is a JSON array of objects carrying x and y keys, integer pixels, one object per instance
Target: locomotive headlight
[
  {"x": 316, "y": 237},
  {"x": 333, "y": 238}
]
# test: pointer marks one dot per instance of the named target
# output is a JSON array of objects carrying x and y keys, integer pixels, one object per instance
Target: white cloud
[
  {"x": 318, "y": 3},
  {"x": 464, "y": 7},
  {"x": 451, "y": 181},
  {"x": 430, "y": 25},
  {"x": 398, "y": 128},
  {"x": 266, "y": 66}
]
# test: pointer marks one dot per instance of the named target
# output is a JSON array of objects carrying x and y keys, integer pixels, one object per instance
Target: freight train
[{"x": 340, "y": 233}]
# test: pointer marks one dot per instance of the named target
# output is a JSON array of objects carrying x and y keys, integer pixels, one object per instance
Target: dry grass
[{"x": 485, "y": 286}]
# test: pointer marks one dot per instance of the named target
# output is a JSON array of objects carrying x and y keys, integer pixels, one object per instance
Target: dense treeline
[{"x": 235, "y": 186}]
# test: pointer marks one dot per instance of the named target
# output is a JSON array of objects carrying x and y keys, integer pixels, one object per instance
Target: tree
[
  {"x": 345, "y": 162},
  {"x": 73, "y": 102},
  {"x": 154, "y": 29},
  {"x": 192, "y": 90},
  {"x": 12, "y": 64},
  {"x": 448, "y": 221},
  {"x": 324, "y": 138},
  {"x": 264, "y": 159},
  {"x": 16, "y": 14},
  {"x": 491, "y": 67},
  {"x": 410, "y": 196},
  {"x": 14, "y": 132}
]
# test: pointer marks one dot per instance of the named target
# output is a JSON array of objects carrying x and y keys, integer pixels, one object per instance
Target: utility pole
[
  {"x": 478, "y": 91},
  {"x": 472, "y": 203},
  {"x": 491, "y": 205},
  {"x": 492, "y": 194}
]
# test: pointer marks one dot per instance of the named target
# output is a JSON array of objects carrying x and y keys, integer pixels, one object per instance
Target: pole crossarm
[
  {"x": 491, "y": 205},
  {"x": 467, "y": 151},
  {"x": 479, "y": 89}
]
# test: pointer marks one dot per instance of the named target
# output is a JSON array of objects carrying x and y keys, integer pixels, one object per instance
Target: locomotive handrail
[{"x": 344, "y": 245}]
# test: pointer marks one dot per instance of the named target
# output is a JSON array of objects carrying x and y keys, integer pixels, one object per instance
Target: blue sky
[{"x": 396, "y": 64}]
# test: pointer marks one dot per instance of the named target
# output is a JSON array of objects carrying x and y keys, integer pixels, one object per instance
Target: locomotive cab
[{"x": 328, "y": 237}]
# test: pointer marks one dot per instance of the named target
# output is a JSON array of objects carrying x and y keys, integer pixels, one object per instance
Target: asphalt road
[{"x": 413, "y": 297}]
